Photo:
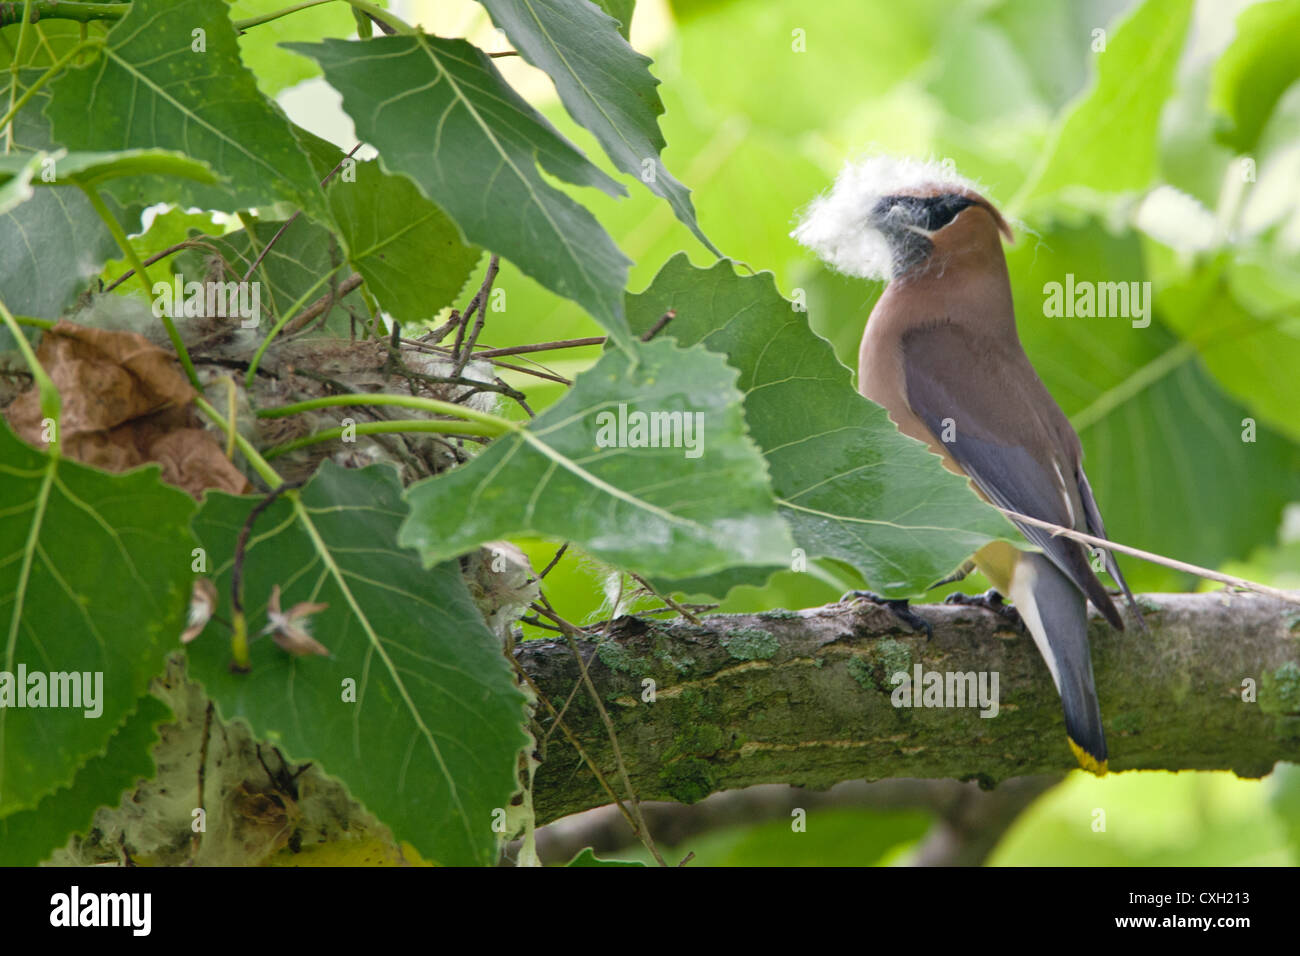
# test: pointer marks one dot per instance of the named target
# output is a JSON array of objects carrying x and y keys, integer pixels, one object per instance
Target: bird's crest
[{"x": 838, "y": 225}]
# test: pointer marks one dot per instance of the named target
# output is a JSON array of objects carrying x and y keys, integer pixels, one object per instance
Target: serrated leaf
[
  {"x": 410, "y": 254},
  {"x": 1107, "y": 141},
  {"x": 149, "y": 88},
  {"x": 94, "y": 578},
  {"x": 651, "y": 509},
  {"x": 604, "y": 84},
  {"x": 259, "y": 46},
  {"x": 850, "y": 486},
  {"x": 30, "y": 836},
  {"x": 620, "y": 10},
  {"x": 1260, "y": 64},
  {"x": 440, "y": 112},
  {"x": 430, "y": 743}
]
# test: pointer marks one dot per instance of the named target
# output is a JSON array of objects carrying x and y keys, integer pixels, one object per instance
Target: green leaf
[
  {"x": 850, "y": 486},
  {"x": 1255, "y": 70},
  {"x": 651, "y": 509},
  {"x": 410, "y": 254},
  {"x": 620, "y": 10},
  {"x": 1108, "y": 141},
  {"x": 1253, "y": 357},
  {"x": 430, "y": 743},
  {"x": 30, "y": 836},
  {"x": 16, "y": 174},
  {"x": 1285, "y": 801},
  {"x": 587, "y": 857},
  {"x": 149, "y": 88},
  {"x": 92, "y": 169},
  {"x": 604, "y": 84},
  {"x": 54, "y": 243},
  {"x": 94, "y": 578},
  {"x": 39, "y": 274},
  {"x": 440, "y": 112},
  {"x": 259, "y": 46},
  {"x": 47, "y": 42}
]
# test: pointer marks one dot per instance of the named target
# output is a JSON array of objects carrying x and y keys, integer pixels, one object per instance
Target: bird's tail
[{"x": 1056, "y": 613}]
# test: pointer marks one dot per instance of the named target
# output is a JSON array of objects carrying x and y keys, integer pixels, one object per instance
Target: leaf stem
[
  {"x": 242, "y": 25},
  {"x": 62, "y": 10},
  {"x": 495, "y": 426},
  {"x": 397, "y": 24},
  {"x": 20, "y": 102},
  {"x": 51, "y": 403},
  {"x": 389, "y": 426},
  {"x": 119, "y": 236},
  {"x": 267, "y": 473}
]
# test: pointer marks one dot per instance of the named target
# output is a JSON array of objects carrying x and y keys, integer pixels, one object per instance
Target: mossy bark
[{"x": 806, "y": 698}]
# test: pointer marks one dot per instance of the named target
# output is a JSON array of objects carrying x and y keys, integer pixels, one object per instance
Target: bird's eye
[{"x": 941, "y": 210}]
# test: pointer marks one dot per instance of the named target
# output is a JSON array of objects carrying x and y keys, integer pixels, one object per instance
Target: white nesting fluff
[{"x": 836, "y": 224}]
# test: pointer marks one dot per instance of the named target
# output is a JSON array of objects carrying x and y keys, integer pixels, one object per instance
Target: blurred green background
[{"x": 1152, "y": 141}]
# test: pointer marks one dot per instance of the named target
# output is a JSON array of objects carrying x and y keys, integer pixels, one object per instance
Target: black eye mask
[{"x": 930, "y": 213}]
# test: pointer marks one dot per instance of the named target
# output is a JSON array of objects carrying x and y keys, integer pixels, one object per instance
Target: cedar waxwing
[{"x": 941, "y": 354}]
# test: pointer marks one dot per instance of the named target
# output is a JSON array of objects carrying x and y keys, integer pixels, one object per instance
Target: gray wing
[{"x": 1008, "y": 435}]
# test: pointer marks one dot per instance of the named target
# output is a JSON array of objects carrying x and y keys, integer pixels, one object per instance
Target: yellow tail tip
[{"x": 1086, "y": 760}]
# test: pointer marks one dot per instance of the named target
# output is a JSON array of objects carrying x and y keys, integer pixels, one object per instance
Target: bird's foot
[
  {"x": 990, "y": 600},
  {"x": 896, "y": 606}
]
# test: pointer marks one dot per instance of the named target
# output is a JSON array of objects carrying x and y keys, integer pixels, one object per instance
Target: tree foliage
[{"x": 376, "y": 507}]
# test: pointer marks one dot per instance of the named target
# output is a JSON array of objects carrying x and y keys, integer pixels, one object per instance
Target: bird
[{"x": 942, "y": 355}]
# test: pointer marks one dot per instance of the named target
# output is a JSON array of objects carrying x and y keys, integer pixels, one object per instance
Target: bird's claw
[
  {"x": 895, "y": 606},
  {"x": 990, "y": 600}
]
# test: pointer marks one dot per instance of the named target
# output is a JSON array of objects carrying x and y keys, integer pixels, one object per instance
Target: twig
[
  {"x": 292, "y": 219},
  {"x": 558, "y": 721},
  {"x": 443, "y": 349},
  {"x": 185, "y": 244},
  {"x": 554, "y": 561},
  {"x": 569, "y": 630},
  {"x": 479, "y": 301},
  {"x": 541, "y": 347},
  {"x": 324, "y": 303},
  {"x": 666, "y": 599},
  {"x": 659, "y": 326},
  {"x": 1177, "y": 565},
  {"x": 239, "y": 642}
]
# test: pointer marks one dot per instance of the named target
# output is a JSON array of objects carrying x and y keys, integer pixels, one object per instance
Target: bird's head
[{"x": 885, "y": 217}]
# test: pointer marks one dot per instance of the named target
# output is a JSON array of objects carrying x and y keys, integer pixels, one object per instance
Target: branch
[
  {"x": 805, "y": 698},
  {"x": 969, "y": 823}
]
